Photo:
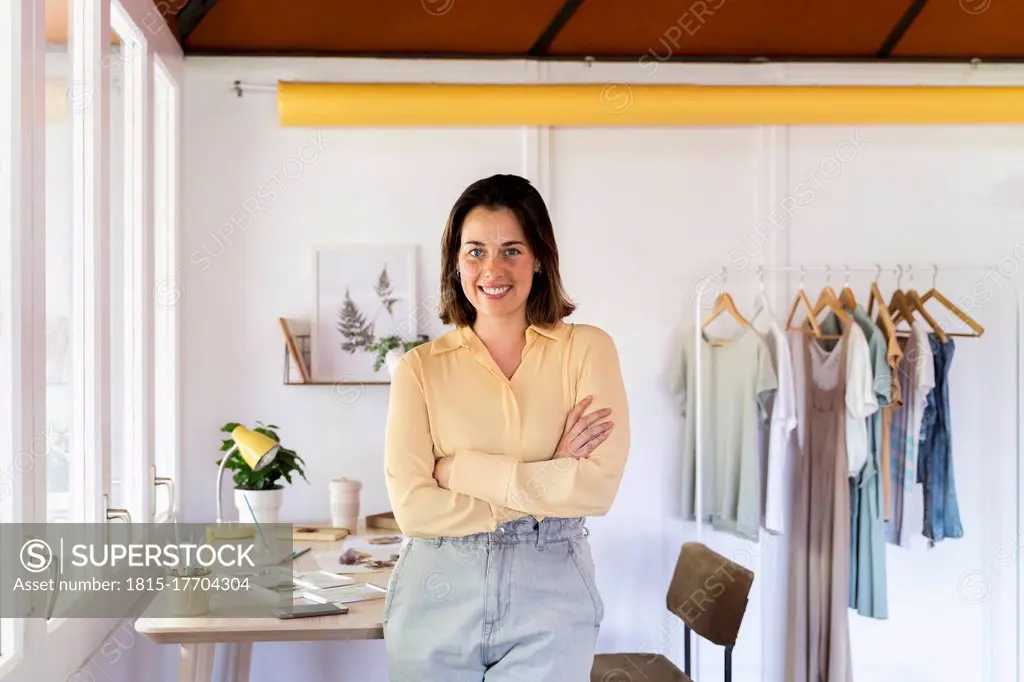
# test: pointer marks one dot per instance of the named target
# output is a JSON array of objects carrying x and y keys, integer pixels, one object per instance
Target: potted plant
[
  {"x": 388, "y": 350},
  {"x": 262, "y": 488}
]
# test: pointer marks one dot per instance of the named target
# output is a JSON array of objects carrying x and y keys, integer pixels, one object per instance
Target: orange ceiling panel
[
  {"x": 852, "y": 30},
  {"x": 965, "y": 29},
  {"x": 373, "y": 26},
  {"x": 730, "y": 28},
  {"x": 57, "y": 19}
]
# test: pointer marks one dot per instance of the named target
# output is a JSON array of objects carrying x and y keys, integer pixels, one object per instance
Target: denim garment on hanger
[{"x": 935, "y": 457}]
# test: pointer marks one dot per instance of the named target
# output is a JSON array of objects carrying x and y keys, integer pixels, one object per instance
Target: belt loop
[
  {"x": 436, "y": 542},
  {"x": 541, "y": 525}
]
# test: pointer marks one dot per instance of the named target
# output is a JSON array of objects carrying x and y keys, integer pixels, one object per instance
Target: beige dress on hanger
[{"x": 817, "y": 627}]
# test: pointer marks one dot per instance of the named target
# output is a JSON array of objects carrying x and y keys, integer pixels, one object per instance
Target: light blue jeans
[{"x": 516, "y": 605}]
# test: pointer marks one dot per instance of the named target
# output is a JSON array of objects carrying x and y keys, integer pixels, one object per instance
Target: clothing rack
[{"x": 899, "y": 270}]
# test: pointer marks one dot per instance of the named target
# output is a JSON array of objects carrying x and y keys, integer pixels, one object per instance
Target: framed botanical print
[{"x": 363, "y": 292}]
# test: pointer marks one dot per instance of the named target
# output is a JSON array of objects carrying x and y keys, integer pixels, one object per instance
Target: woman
[{"x": 501, "y": 436}]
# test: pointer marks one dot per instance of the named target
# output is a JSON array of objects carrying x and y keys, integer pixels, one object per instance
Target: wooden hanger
[
  {"x": 723, "y": 304},
  {"x": 883, "y": 311},
  {"x": 828, "y": 299},
  {"x": 977, "y": 329},
  {"x": 871, "y": 297},
  {"x": 874, "y": 287},
  {"x": 846, "y": 298},
  {"x": 884, "y": 319},
  {"x": 912, "y": 302},
  {"x": 801, "y": 299},
  {"x": 899, "y": 307}
]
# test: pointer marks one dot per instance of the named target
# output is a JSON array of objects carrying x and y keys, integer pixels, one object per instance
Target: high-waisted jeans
[{"x": 519, "y": 604}]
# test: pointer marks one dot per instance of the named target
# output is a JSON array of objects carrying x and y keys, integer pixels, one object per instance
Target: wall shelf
[{"x": 298, "y": 357}]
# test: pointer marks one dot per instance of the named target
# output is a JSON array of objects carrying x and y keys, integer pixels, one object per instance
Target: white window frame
[
  {"x": 136, "y": 267},
  {"x": 21, "y": 257},
  {"x": 168, "y": 289}
]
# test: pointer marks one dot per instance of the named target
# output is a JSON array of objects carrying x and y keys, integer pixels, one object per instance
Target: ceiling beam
[
  {"x": 168, "y": 10},
  {"x": 569, "y": 8},
  {"x": 901, "y": 28},
  {"x": 191, "y": 15},
  {"x": 587, "y": 59}
]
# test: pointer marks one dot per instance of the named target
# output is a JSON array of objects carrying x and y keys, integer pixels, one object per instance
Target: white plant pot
[
  {"x": 265, "y": 504},
  {"x": 391, "y": 360}
]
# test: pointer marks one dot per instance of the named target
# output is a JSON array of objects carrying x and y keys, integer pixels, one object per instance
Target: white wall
[{"x": 639, "y": 215}]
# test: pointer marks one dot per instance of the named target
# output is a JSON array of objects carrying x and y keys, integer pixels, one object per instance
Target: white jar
[{"x": 344, "y": 495}]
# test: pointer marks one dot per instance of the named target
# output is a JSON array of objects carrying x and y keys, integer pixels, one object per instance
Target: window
[
  {"x": 168, "y": 289},
  {"x": 63, "y": 101},
  {"x": 130, "y": 265},
  {"x": 119, "y": 320},
  {"x": 75, "y": 212},
  {"x": 7, "y": 161},
  {"x": 12, "y": 222}
]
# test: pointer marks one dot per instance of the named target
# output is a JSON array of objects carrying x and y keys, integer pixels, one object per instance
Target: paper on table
[
  {"x": 320, "y": 580},
  {"x": 329, "y": 560},
  {"x": 346, "y": 594}
]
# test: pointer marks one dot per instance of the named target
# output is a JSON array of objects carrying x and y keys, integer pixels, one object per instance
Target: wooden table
[{"x": 199, "y": 636}]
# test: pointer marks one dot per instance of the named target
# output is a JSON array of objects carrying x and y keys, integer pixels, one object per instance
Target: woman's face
[{"x": 496, "y": 265}]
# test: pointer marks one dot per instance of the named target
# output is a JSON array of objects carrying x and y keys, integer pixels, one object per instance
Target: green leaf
[{"x": 268, "y": 433}]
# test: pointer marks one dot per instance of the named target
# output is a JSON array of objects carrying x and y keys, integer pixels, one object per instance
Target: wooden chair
[{"x": 709, "y": 594}]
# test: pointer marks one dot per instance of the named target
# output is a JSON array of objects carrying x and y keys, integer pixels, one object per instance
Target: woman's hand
[
  {"x": 583, "y": 433},
  {"x": 443, "y": 470}
]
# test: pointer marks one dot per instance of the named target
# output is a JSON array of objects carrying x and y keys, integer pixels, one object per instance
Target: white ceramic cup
[
  {"x": 187, "y": 593},
  {"x": 344, "y": 495}
]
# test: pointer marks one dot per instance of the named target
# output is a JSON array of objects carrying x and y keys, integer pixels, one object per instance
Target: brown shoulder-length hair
[{"x": 548, "y": 303}]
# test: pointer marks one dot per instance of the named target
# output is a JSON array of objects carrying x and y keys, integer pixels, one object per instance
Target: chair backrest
[{"x": 709, "y": 593}]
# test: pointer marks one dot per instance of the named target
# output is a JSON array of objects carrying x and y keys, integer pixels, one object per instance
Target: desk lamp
[{"x": 256, "y": 449}]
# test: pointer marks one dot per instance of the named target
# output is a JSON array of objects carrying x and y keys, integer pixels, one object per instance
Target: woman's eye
[
  {"x": 512, "y": 251},
  {"x": 476, "y": 253}
]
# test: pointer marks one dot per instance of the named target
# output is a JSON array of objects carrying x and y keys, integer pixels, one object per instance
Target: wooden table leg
[
  {"x": 241, "y": 661},
  {"x": 195, "y": 663}
]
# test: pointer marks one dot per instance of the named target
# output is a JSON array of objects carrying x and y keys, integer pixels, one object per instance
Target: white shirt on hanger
[
  {"x": 861, "y": 401},
  {"x": 859, "y": 395},
  {"x": 921, "y": 367},
  {"x": 782, "y": 424}
]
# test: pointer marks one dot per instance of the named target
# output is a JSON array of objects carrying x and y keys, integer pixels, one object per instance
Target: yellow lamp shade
[{"x": 256, "y": 449}]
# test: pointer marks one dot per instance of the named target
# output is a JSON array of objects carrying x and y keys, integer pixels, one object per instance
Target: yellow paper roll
[{"x": 634, "y": 104}]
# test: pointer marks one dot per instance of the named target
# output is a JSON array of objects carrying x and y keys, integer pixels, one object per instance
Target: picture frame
[{"x": 362, "y": 292}]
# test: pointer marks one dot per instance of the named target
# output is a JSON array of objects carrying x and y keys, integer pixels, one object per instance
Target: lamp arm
[{"x": 220, "y": 481}]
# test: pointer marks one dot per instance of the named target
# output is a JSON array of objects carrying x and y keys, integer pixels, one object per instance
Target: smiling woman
[{"x": 501, "y": 399}]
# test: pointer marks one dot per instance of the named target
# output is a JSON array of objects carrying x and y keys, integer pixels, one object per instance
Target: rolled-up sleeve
[
  {"x": 563, "y": 487},
  {"x": 421, "y": 508}
]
